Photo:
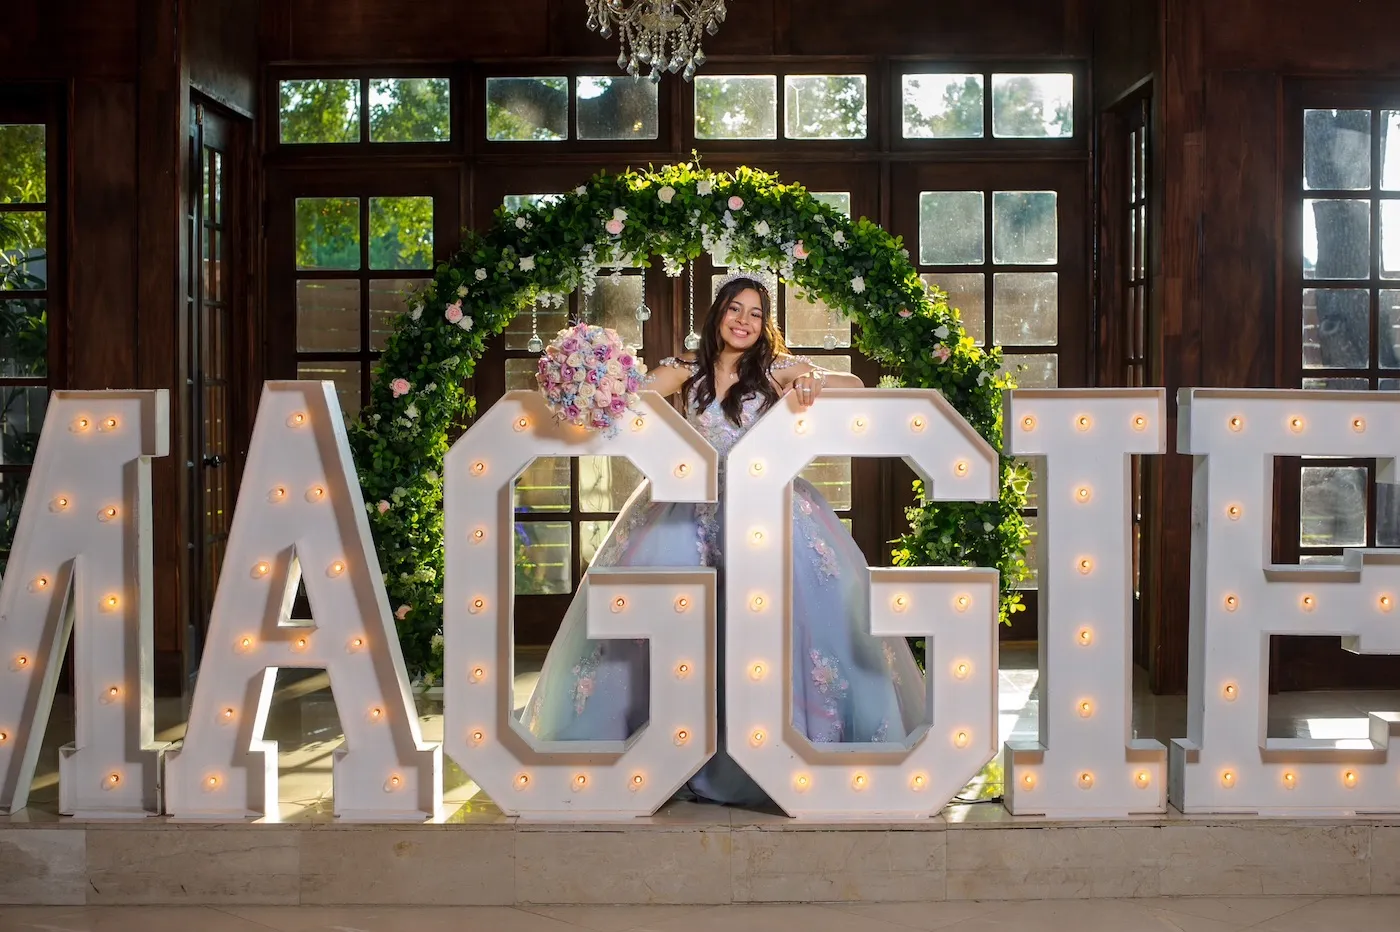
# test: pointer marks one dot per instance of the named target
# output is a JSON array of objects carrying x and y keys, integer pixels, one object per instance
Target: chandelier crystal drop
[{"x": 664, "y": 34}]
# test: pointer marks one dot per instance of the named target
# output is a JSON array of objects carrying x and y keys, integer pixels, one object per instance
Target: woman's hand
[{"x": 808, "y": 386}]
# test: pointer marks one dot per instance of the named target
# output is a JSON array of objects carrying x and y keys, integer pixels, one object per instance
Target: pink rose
[
  {"x": 618, "y": 405},
  {"x": 383, "y": 507},
  {"x": 569, "y": 345},
  {"x": 626, "y": 360},
  {"x": 592, "y": 377},
  {"x": 614, "y": 226},
  {"x": 566, "y": 374},
  {"x": 402, "y": 613},
  {"x": 400, "y": 387},
  {"x": 631, "y": 385},
  {"x": 799, "y": 251},
  {"x": 736, "y": 203},
  {"x": 942, "y": 353},
  {"x": 454, "y": 312},
  {"x": 905, "y": 312}
]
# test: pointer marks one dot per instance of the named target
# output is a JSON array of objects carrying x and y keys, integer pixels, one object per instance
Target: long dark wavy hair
[{"x": 754, "y": 365}]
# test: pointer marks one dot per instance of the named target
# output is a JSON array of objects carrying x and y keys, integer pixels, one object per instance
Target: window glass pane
[
  {"x": 23, "y": 179},
  {"x": 544, "y": 485},
  {"x": 388, "y": 298},
  {"x": 838, "y": 200},
  {"x": 345, "y": 375},
  {"x": 520, "y": 373},
  {"x": 943, "y": 106},
  {"x": 1388, "y": 385},
  {"x": 1389, "y": 330},
  {"x": 21, "y": 418},
  {"x": 1026, "y": 308},
  {"x": 1336, "y": 238},
  {"x": 1390, "y": 239},
  {"x": 1333, "y": 506},
  {"x": 542, "y": 558},
  {"x": 591, "y": 535},
  {"x": 1387, "y": 514},
  {"x": 23, "y": 259},
  {"x": 736, "y": 107},
  {"x": 550, "y": 321},
  {"x": 1390, "y": 150},
  {"x": 527, "y": 109},
  {"x": 1025, "y": 230},
  {"x": 1032, "y": 370},
  {"x": 410, "y": 110},
  {"x": 328, "y": 316},
  {"x": 516, "y": 202},
  {"x": 12, "y": 486},
  {"x": 606, "y": 482},
  {"x": 1337, "y": 150},
  {"x": 1336, "y": 328},
  {"x": 813, "y": 323},
  {"x": 328, "y": 233},
  {"x": 952, "y": 228},
  {"x": 614, "y": 304},
  {"x": 1334, "y": 385},
  {"x": 616, "y": 108},
  {"x": 401, "y": 232},
  {"x": 24, "y": 337},
  {"x": 967, "y": 294},
  {"x": 825, "y": 106},
  {"x": 833, "y": 363},
  {"x": 832, "y": 477},
  {"x": 1028, "y": 105},
  {"x": 1032, "y": 558},
  {"x": 319, "y": 110}
]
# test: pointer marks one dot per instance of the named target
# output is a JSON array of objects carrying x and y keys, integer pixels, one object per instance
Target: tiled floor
[{"x": 1263, "y": 914}]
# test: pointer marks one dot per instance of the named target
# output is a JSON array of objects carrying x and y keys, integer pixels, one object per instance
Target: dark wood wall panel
[
  {"x": 404, "y": 30},
  {"x": 58, "y": 39},
  {"x": 898, "y": 27},
  {"x": 1304, "y": 35},
  {"x": 1127, "y": 43},
  {"x": 221, "y": 51}
]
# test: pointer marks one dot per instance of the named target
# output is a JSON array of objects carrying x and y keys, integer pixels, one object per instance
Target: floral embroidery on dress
[
  {"x": 584, "y": 679},
  {"x": 882, "y": 732},
  {"x": 826, "y": 676},
  {"x": 891, "y": 662},
  {"x": 824, "y": 556},
  {"x": 707, "y": 534}
]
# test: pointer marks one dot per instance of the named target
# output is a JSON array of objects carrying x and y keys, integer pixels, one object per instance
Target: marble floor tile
[
  {"x": 615, "y": 918},
  {"x": 1240, "y": 910},
  {"x": 1088, "y": 916},
  {"x": 926, "y": 917},
  {"x": 130, "y": 919},
  {"x": 396, "y": 919},
  {"x": 1334, "y": 913},
  {"x": 773, "y": 919}
]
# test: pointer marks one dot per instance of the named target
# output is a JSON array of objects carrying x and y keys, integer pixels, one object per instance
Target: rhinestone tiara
[{"x": 767, "y": 279}]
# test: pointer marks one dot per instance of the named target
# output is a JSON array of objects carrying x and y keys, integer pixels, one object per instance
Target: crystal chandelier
[{"x": 665, "y": 34}]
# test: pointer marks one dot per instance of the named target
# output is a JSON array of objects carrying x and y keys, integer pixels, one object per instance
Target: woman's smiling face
[{"x": 743, "y": 320}]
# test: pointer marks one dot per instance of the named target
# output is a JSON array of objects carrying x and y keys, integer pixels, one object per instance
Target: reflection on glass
[
  {"x": 1032, "y": 370},
  {"x": 1337, "y": 384},
  {"x": 825, "y": 106},
  {"x": 591, "y": 535},
  {"x": 1025, "y": 228},
  {"x": 952, "y": 228},
  {"x": 320, "y": 110},
  {"x": 840, "y": 201},
  {"x": 1336, "y": 328},
  {"x": 542, "y": 558},
  {"x": 410, "y": 110},
  {"x": 943, "y": 106},
  {"x": 328, "y": 316},
  {"x": 967, "y": 294},
  {"x": 1388, "y": 334},
  {"x": 1026, "y": 308},
  {"x": 1032, "y": 105},
  {"x": 1387, "y": 514},
  {"x": 345, "y": 375},
  {"x": 550, "y": 321},
  {"x": 1336, "y": 150},
  {"x": 1336, "y": 238},
  {"x": 515, "y": 202},
  {"x": 543, "y": 485},
  {"x": 614, "y": 304},
  {"x": 401, "y": 233},
  {"x": 605, "y": 483},
  {"x": 12, "y": 487},
  {"x": 616, "y": 107},
  {"x": 736, "y": 106},
  {"x": 388, "y": 300},
  {"x": 527, "y": 109},
  {"x": 832, "y": 477},
  {"x": 25, "y": 179},
  {"x": 813, "y": 323},
  {"x": 1390, "y": 150},
  {"x": 1333, "y": 506},
  {"x": 328, "y": 232},
  {"x": 23, "y": 257},
  {"x": 24, "y": 351},
  {"x": 21, "y": 419},
  {"x": 1032, "y": 581},
  {"x": 1390, "y": 239},
  {"x": 520, "y": 374},
  {"x": 1035, "y": 469}
]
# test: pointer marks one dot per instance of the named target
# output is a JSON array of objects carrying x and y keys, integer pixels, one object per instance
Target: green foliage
[
  {"x": 319, "y": 111},
  {"x": 399, "y": 443}
]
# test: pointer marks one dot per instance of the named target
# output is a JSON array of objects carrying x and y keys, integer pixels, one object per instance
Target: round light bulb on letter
[
  {"x": 1086, "y": 637},
  {"x": 1086, "y": 780},
  {"x": 1227, "y": 779},
  {"x": 961, "y": 739}
]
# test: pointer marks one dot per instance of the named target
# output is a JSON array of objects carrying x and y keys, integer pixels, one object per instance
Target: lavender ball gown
[{"x": 848, "y": 686}]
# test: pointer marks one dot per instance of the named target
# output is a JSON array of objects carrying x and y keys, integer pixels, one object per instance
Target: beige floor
[{"x": 1264, "y": 914}]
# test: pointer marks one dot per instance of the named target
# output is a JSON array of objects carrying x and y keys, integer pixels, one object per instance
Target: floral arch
[{"x": 545, "y": 252}]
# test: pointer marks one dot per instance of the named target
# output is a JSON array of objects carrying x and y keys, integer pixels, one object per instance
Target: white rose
[
  {"x": 839, "y": 238},
  {"x": 941, "y": 332},
  {"x": 581, "y": 190},
  {"x": 411, "y": 412},
  {"x": 416, "y": 313},
  {"x": 858, "y": 284},
  {"x": 666, "y": 194},
  {"x": 465, "y": 323},
  {"x": 619, "y": 214},
  {"x": 461, "y": 291},
  {"x": 521, "y": 223},
  {"x": 762, "y": 228},
  {"x": 527, "y": 263},
  {"x": 481, "y": 275},
  {"x": 586, "y": 390},
  {"x": 614, "y": 368},
  {"x": 633, "y": 398},
  {"x": 574, "y": 360},
  {"x": 703, "y": 187}
]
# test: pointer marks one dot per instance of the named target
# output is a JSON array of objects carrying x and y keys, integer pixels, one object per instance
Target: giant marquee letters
[{"x": 82, "y": 559}]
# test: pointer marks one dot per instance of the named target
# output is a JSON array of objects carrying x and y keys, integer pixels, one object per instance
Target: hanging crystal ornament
[
  {"x": 692, "y": 339},
  {"x": 536, "y": 345},
  {"x": 829, "y": 340},
  {"x": 663, "y": 34},
  {"x": 643, "y": 312}
]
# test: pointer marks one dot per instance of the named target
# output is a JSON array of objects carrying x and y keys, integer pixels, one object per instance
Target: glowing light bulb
[
  {"x": 756, "y": 738},
  {"x": 278, "y": 494},
  {"x": 357, "y": 643},
  {"x": 376, "y": 714},
  {"x": 682, "y": 670},
  {"x": 756, "y": 671},
  {"x": 522, "y": 781},
  {"x": 917, "y": 423},
  {"x": 245, "y": 643},
  {"x": 81, "y": 423},
  {"x": 1086, "y": 780},
  {"x": 60, "y": 503},
  {"x": 212, "y": 782},
  {"x": 113, "y": 779},
  {"x": 1308, "y": 603},
  {"x": 41, "y": 582},
  {"x": 262, "y": 569},
  {"x": 961, "y": 739},
  {"x": 1028, "y": 422},
  {"x": 1083, "y": 422},
  {"x": 478, "y": 673},
  {"x": 316, "y": 494},
  {"x": 580, "y": 780},
  {"x": 522, "y": 423},
  {"x": 963, "y": 602},
  {"x": 1086, "y": 637},
  {"x": 1290, "y": 780},
  {"x": 638, "y": 780},
  {"x": 619, "y": 604},
  {"x": 1234, "y": 512},
  {"x": 802, "y": 782},
  {"x": 858, "y": 425},
  {"x": 1227, "y": 779},
  {"x": 901, "y": 603},
  {"x": 682, "y": 736},
  {"x": 1083, "y": 494},
  {"x": 756, "y": 468},
  {"x": 1231, "y": 603},
  {"x": 1086, "y": 709},
  {"x": 111, "y": 602},
  {"x": 337, "y": 568},
  {"x": 1295, "y": 424},
  {"x": 21, "y": 661},
  {"x": 110, "y": 423},
  {"x": 1358, "y": 424},
  {"x": 918, "y": 782},
  {"x": 478, "y": 468},
  {"x": 1231, "y": 692},
  {"x": 859, "y": 782},
  {"x": 757, "y": 537},
  {"x": 1139, "y": 423},
  {"x": 960, "y": 467},
  {"x": 300, "y": 644},
  {"x": 638, "y": 423},
  {"x": 682, "y": 604},
  {"x": 1237, "y": 423},
  {"x": 1143, "y": 778},
  {"x": 113, "y": 691},
  {"x": 478, "y": 535},
  {"x": 395, "y": 781},
  {"x": 4, "y": 736},
  {"x": 757, "y": 603},
  {"x": 1086, "y": 566},
  {"x": 1028, "y": 781},
  {"x": 961, "y": 670},
  {"x": 477, "y": 605},
  {"x": 1350, "y": 779},
  {"x": 1386, "y": 603},
  {"x": 478, "y": 737},
  {"x": 683, "y": 470},
  {"x": 800, "y": 426},
  {"x": 226, "y": 715},
  {"x": 297, "y": 420},
  {"x": 108, "y": 513}
]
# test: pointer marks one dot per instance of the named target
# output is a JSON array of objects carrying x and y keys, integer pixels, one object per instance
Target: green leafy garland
[{"x": 545, "y": 252}]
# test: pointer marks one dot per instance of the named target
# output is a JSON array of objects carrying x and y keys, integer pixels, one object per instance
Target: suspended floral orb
[
  {"x": 536, "y": 345},
  {"x": 643, "y": 313},
  {"x": 692, "y": 342}
]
